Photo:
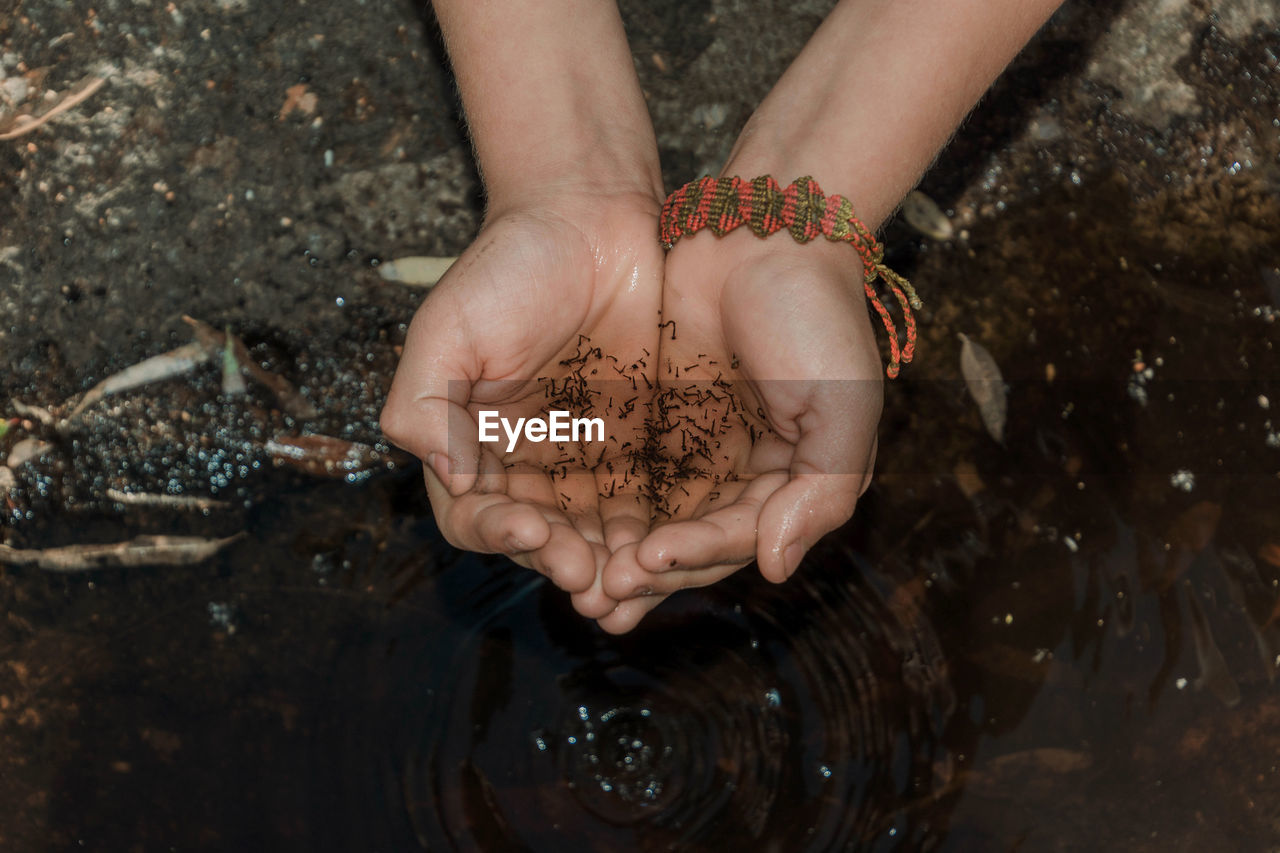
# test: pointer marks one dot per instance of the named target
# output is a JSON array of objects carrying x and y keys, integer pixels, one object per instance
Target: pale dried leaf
[
  {"x": 24, "y": 451},
  {"x": 415, "y": 270},
  {"x": 35, "y": 413},
  {"x": 183, "y": 502},
  {"x": 140, "y": 551},
  {"x": 923, "y": 214},
  {"x": 324, "y": 455},
  {"x": 986, "y": 385},
  {"x": 164, "y": 366},
  {"x": 1048, "y": 759}
]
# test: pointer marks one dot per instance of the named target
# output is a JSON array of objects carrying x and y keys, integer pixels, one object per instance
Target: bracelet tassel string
[{"x": 722, "y": 204}]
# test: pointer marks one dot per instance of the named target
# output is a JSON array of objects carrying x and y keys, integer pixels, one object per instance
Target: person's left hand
[{"x": 783, "y": 331}]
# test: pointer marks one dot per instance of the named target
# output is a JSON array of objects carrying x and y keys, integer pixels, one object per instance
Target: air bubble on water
[
  {"x": 824, "y": 771},
  {"x": 773, "y": 698}
]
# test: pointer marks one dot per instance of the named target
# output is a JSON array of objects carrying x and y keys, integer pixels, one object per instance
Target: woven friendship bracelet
[{"x": 722, "y": 204}]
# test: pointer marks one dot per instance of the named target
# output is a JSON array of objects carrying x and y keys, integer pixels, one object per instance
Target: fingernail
[
  {"x": 514, "y": 544},
  {"x": 641, "y": 590},
  {"x": 791, "y": 557}
]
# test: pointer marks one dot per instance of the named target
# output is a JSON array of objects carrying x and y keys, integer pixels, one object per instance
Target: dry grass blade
[
  {"x": 415, "y": 270},
  {"x": 22, "y": 123},
  {"x": 140, "y": 551},
  {"x": 184, "y": 502},
  {"x": 25, "y": 451},
  {"x": 164, "y": 366},
  {"x": 291, "y": 400},
  {"x": 324, "y": 455},
  {"x": 35, "y": 413},
  {"x": 986, "y": 385}
]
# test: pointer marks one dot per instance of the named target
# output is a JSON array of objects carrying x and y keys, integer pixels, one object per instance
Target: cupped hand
[
  {"x": 776, "y": 357},
  {"x": 544, "y": 292}
]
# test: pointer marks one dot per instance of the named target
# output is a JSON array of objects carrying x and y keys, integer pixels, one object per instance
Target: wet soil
[{"x": 1062, "y": 640}]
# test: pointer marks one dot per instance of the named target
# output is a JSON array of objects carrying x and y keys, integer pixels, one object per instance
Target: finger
[
  {"x": 832, "y": 464},
  {"x": 803, "y": 511},
  {"x": 510, "y": 528},
  {"x": 625, "y": 516},
  {"x": 628, "y": 614},
  {"x": 593, "y": 603},
  {"x": 725, "y": 535},
  {"x": 567, "y": 559},
  {"x": 645, "y": 583},
  {"x": 425, "y": 412},
  {"x": 488, "y": 523}
]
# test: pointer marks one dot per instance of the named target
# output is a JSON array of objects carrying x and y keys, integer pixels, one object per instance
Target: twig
[
  {"x": 291, "y": 399},
  {"x": 184, "y": 502},
  {"x": 26, "y": 122},
  {"x": 140, "y": 551}
]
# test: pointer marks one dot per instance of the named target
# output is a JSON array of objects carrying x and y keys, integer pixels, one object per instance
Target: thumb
[
  {"x": 830, "y": 470},
  {"x": 426, "y": 412}
]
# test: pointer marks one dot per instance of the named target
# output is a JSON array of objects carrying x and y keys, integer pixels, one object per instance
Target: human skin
[
  {"x": 566, "y": 149},
  {"x": 863, "y": 109}
]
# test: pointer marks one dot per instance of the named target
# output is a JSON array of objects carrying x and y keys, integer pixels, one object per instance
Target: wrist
[{"x": 581, "y": 176}]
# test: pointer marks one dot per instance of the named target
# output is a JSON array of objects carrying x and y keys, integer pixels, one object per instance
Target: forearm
[
  {"x": 551, "y": 96},
  {"x": 877, "y": 92}
]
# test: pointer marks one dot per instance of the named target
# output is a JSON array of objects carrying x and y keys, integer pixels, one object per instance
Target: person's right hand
[{"x": 541, "y": 284}]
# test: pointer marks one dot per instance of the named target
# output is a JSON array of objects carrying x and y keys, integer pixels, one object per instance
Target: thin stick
[{"x": 27, "y": 123}]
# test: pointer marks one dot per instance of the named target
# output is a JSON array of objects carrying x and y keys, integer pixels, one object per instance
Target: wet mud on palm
[{"x": 1066, "y": 638}]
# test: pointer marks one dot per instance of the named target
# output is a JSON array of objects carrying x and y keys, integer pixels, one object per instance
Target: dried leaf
[
  {"x": 35, "y": 413},
  {"x": 1188, "y": 535},
  {"x": 986, "y": 385},
  {"x": 323, "y": 455},
  {"x": 140, "y": 551},
  {"x": 291, "y": 400},
  {"x": 24, "y": 451},
  {"x": 1270, "y": 553},
  {"x": 923, "y": 214},
  {"x": 1047, "y": 759},
  {"x": 183, "y": 502},
  {"x": 1213, "y": 667},
  {"x": 416, "y": 270},
  {"x": 164, "y": 366}
]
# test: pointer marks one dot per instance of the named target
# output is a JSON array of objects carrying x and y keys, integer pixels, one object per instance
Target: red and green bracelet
[{"x": 722, "y": 204}]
